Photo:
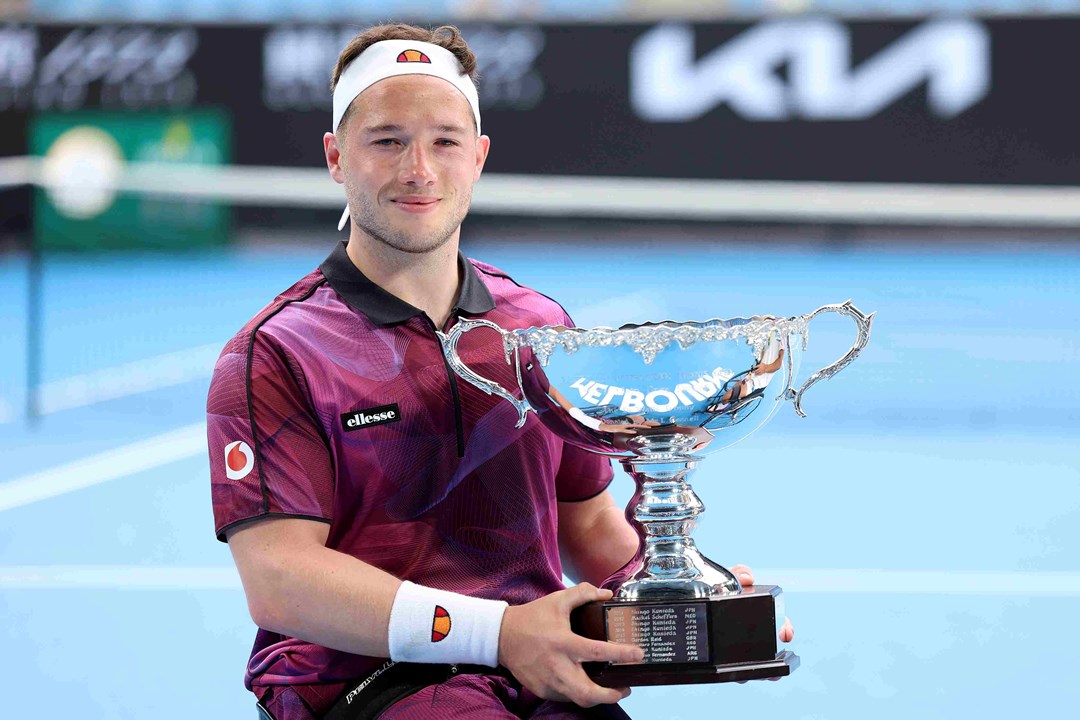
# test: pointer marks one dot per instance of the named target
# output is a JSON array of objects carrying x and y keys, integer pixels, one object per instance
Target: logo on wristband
[{"x": 440, "y": 624}]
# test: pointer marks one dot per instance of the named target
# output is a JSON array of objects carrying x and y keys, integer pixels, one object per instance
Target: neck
[{"x": 428, "y": 281}]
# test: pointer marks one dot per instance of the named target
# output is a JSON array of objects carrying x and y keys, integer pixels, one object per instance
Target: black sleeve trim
[
  {"x": 599, "y": 492},
  {"x": 247, "y": 388},
  {"x": 223, "y": 531}
]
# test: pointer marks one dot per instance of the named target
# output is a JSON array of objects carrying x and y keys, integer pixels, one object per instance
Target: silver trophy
[{"x": 659, "y": 397}]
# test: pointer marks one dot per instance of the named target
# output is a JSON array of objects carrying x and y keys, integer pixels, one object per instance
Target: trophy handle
[
  {"x": 449, "y": 346},
  {"x": 862, "y": 323}
]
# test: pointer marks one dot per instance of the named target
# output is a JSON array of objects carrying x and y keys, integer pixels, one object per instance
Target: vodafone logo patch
[{"x": 239, "y": 460}]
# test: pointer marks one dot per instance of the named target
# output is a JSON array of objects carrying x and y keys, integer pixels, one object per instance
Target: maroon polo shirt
[{"x": 335, "y": 404}]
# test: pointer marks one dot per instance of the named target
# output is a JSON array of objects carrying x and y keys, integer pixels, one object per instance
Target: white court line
[
  {"x": 146, "y": 454},
  {"x": 130, "y": 378},
  {"x": 840, "y": 581}
]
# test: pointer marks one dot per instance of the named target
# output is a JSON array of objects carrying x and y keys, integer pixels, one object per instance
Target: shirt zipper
[{"x": 453, "y": 388}]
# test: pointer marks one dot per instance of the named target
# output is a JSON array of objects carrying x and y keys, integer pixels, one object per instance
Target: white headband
[{"x": 388, "y": 58}]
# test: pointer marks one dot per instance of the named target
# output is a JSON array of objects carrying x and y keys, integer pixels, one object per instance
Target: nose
[{"x": 417, "y": 167}]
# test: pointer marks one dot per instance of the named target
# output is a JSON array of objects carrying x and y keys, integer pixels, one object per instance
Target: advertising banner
[
  {"x": 83, "y": 156},
  {"x": 940, "y": 100}
]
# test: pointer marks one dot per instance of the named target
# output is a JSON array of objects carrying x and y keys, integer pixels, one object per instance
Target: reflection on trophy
[{"x": 659, "y": 397}]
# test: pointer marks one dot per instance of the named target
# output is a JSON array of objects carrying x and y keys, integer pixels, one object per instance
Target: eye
[
  {"x": 447, "y": 142},
  {"x": 384, "y": 142}
]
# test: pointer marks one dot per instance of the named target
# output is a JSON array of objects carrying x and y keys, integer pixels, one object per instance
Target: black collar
[{"x": 383, "y": 308}]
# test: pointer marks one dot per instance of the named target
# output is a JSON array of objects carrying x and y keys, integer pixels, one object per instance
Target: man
[{"x": 375, "y": 506}]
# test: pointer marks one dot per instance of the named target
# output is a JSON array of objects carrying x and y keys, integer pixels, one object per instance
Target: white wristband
[{"x": 438, "y": 626}]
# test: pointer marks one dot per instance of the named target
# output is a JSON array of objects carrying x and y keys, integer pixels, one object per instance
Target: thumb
[{"x": 584, "y": 593}]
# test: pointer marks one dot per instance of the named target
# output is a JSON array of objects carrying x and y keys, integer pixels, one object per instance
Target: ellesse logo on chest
[{"x": 360, "y": 419}]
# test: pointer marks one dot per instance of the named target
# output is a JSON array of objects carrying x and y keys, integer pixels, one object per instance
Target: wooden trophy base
[{"x": 725, "y": 639}]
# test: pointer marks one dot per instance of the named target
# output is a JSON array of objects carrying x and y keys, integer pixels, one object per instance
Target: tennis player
[{"x": 400, "y": 543}]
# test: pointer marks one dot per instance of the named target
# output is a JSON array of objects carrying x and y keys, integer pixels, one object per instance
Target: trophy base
[
  {"x": 610, "y": 675},
  {"x": 729, "y": 638}
]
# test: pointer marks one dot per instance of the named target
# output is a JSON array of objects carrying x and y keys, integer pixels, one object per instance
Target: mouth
[{"x": 417, "y": 204}]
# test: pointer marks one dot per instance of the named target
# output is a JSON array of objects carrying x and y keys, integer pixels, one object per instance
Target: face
[{"x": 408, "y": 155}]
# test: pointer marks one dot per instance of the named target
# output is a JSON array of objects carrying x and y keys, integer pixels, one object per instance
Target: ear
[
  {"x": 483, "y": 145},
  {"x": 333, "y": 157}
]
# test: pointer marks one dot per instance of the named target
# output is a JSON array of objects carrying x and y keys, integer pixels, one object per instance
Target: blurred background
[{"x": 162, "y": 178}]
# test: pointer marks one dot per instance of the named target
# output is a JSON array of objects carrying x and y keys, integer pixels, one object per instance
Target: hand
[
  {"x": 538, "y": 647},
  {"x": 746, "y": 579}
]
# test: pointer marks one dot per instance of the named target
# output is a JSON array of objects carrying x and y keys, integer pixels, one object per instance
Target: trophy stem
[{"x": 664, "y": 510}]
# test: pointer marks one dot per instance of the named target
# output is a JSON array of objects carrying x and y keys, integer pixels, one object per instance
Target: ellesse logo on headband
[
  {"x": 413, "y": 56},
  {"x": 359, "y": 419}
]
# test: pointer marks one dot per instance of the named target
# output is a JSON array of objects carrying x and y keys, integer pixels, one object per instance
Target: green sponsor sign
[{"x": 84, "y": 155}]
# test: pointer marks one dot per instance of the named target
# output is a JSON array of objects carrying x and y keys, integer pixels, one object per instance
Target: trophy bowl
[{"x": 660, "y": 397}]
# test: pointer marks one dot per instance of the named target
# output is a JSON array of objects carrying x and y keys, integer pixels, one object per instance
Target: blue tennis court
[{"x": 924, "y": 520}]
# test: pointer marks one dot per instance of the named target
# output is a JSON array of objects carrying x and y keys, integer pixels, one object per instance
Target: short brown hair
[{"x": 445, "y": 36}]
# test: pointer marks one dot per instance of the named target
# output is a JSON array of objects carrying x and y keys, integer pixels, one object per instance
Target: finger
[
  {"x": 585, "y": 650},
  {"x": 583, "y": 593},
  {"x": 744, "y": 573},
  {"x": 589, "y": 693},
  {"x": 581, "y": 690},
  {"x": 787, "y": 631},
  {"x": 606, "y": 696}
]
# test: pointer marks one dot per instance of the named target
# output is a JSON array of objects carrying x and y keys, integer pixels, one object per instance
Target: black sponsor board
[
  {"x": 1000, "y": 114},
  {"x": 950, "y": 100}
]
